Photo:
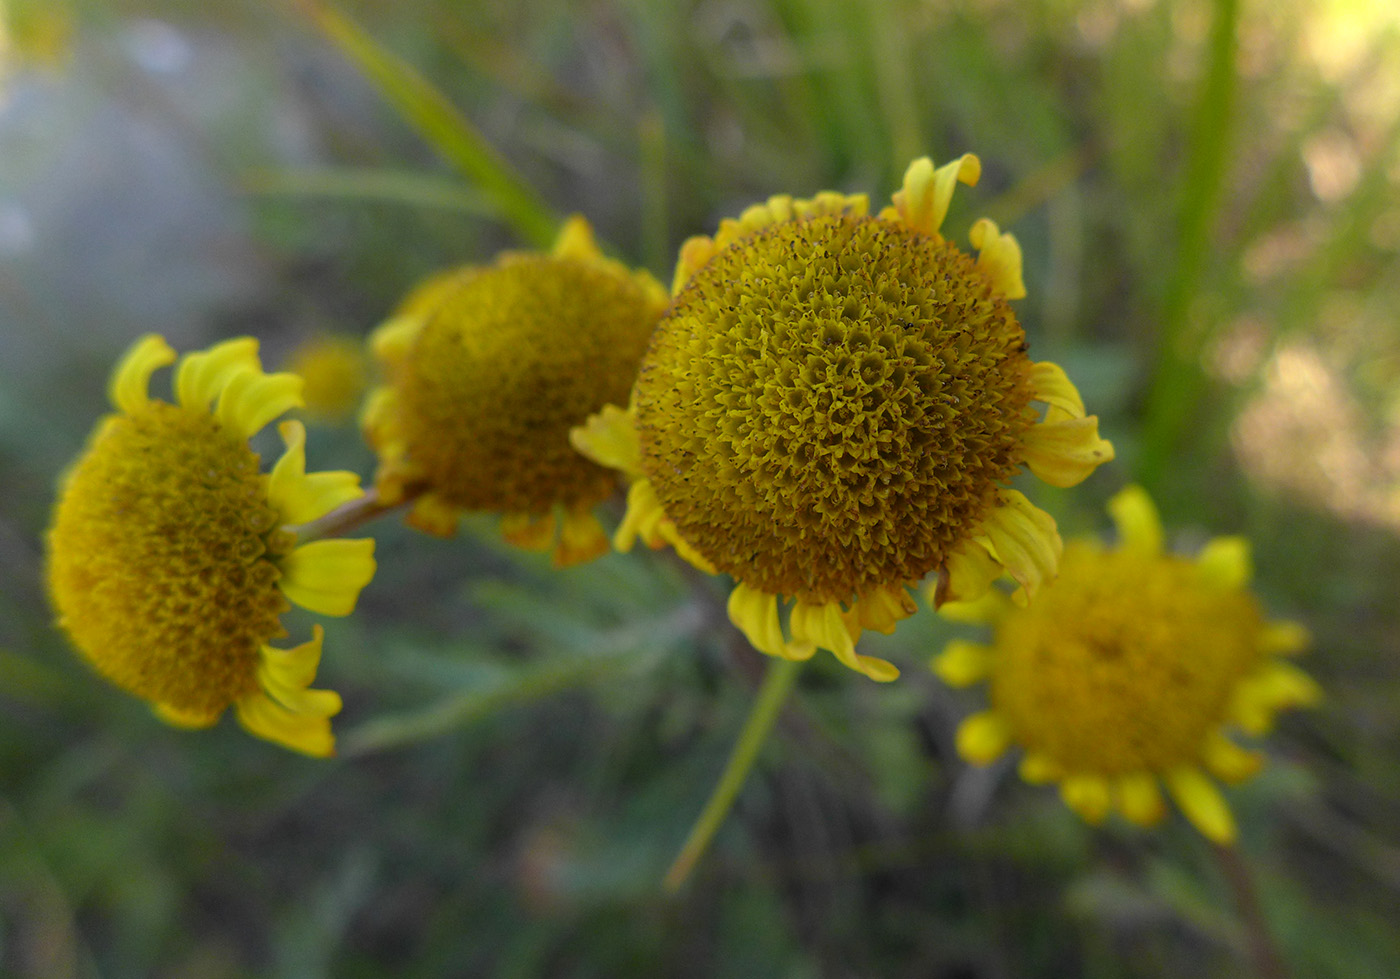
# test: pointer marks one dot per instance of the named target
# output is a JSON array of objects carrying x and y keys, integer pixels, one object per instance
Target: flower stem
[
  {"x": 1268, "y": 964},
  {"x": 348, "y": 517},
  {"x": 777, "y": 683}
]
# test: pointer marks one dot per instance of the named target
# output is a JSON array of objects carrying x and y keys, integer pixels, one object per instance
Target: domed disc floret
[{"x": 830, "y": 404}]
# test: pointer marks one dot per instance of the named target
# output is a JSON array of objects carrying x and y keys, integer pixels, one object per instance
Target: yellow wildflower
[
  {"x": 831, "y": 409},
  {"x": 488, "y": 369},
  {"x": 172, "y": 556},
  {"x": 1130, "y": 670}
]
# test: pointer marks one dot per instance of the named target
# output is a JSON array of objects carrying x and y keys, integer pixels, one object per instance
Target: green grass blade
[
  {"x": 439, "y": 122},
  {"x": 369, "y": 185}
]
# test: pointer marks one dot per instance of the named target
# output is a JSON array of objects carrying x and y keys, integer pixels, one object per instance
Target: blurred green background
[{"x": 1208, "y": 197}]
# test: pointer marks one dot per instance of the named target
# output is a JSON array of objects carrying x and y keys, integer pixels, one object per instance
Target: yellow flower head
[
  {"x": 1128, "y": 670},
  {"x": 831, "y": 409},
  {"x": 488, "y": 369},
  {"x": 172, "y": 555},
  {"x": 334, "y": 371}
]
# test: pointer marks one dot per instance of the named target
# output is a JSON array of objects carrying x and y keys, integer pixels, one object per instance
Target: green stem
[{"x": 777, "y": 683}]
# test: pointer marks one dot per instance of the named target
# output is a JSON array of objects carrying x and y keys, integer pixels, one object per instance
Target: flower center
[
  {"x": 830, "y": 404},
  {"x": 1124, "y": 664},
  {"x": 511, "y": 360},
  {"x": 163, "y": 558}
]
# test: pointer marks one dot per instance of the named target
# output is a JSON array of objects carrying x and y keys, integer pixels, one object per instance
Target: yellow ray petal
[
  {"x": 1284, "y": 638},
  {"x": 963, "y": 663},
  {"x": 987, "y": 610},
  {"x": 188, "y": 719},
  {"x": 393, "y": 339},
  {"x": 576, "y": 241},
  {"x": 326, "y": 576},
  {"x": 695, "y": 252},
  {"x": 1224, "y": 563},
  {"x": 1064, "y": 453},
  {"x": 922, "y": 202},
  {"x": 1087, "y": 795},
  {"x": 1135, "y": 517},
  {"x": 1139, "y": 799},
  {"x": 201, "y": 376},
  {"x": 969, "y": 573},
  {"x": 643, "y": 515},
  {"x": 432, "y": 515},
  {"x": 250, "y": 399},
  {"x": 1202, "y": 803},
  {"x": 1053, "y": 387},
  {"x": 129, "y": 388},
  {"x": 667, "y": 531},
  {"x": 309, "y": 734},
  {"x": 823, "y": 624},
  {"x": 881, "y": 609},
  {"x": 609, "y": 438},
  {"x": 301, "y": 497},
  {"x": 983, "y": 738},
  {"x": 999, "y": 258},
  {"x": 755, "y": 614},
  {"x": 295, "y": 667},
  {"x": 581, "y": 539},
  {"x": 1025, "y": 540},
  {"x": 529, "y": 531},
  {"x": 1039, "y": 769},
  {"x": 1227, "y": 761}
]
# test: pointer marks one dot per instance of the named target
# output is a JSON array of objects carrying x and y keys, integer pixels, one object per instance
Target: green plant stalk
[
  {"x": 777, "y": 684},
  {"x": 447, "y": 130},
  {"x": 1177, "y": 380}
]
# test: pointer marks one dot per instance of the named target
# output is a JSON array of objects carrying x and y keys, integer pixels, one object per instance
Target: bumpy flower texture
[
  {"x": 831, "y": 409},
  {"x": 488, "y": 369},
  {"x": 172, "y": 556},
  {"x": 1130, "y": 671}
]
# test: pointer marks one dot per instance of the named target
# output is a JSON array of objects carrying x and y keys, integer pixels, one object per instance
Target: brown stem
[
  {"x": 356, "y": 513},
  {"x": 1268, "y": 964}
]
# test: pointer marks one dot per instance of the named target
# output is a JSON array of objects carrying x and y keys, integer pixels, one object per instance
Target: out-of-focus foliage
[{"x": 522, "y": 750}]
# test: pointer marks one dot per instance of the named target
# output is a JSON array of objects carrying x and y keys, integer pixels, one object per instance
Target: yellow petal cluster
[
  {"x": 1134, "y": 670},
  {"x": 172, "y": 556}
]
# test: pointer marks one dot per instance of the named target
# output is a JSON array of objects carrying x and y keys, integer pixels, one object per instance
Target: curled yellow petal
[
  {"x": 1064, "y": 453},
  {"x": 1053, "y": 387},
  {"x": 1025, "y": 540},
  {"x": 129, "y": 388},
  {"x": 881, "y": 609},
  {"x": 392, "y": 339},
  {"x": 641, "y": 519},
  {"x": 609, "y": 438},
  {"x": 755, "y": 614},
  {"x": 301, "y": 497},
  {"x": 1202, "y": 803},
  {"x": 963, "y": 663},
  {"x": 264, "y": 717},
  {"x": 986, "y": 610},
  {"x": 824, "y": 625},
  {"x": 326, "y": 576},
  {"x": 250, "y": 399},
  {"x": 968, "y": 574},
  {"x": 1135, "y": 517},
  {"x": 982, "y": 738},
  {"x": 201, "y": 376},
  {"x": 923, "y": 200},
  {"x": 999, "y": 258}
]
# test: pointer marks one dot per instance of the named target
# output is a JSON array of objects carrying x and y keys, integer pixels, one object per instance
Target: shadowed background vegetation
[{"x": 1208, "y": 197}]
